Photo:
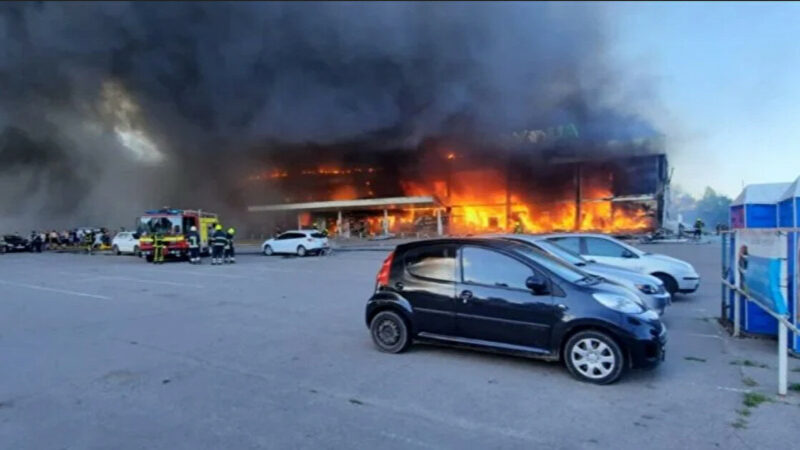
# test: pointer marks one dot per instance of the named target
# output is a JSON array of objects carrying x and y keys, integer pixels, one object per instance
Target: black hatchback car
[{"x": 507, "y": 297}]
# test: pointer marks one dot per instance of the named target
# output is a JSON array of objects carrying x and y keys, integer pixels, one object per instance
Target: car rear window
[
  {"x": 318, "y": 235},
  {"x": 433, "y": 263}
]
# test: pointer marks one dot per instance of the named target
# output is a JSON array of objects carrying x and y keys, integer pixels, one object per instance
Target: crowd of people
[{"x": 87, "y": 238}]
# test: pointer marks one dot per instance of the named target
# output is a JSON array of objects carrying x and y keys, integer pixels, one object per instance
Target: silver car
[{"x": 649, "y": 288}]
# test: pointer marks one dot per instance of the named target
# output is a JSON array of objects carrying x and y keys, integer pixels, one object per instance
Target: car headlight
[
  {"x": 648, "y": 289},
  {"x": 619, "y": 303}
]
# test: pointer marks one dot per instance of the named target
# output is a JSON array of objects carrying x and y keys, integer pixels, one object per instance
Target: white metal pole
[
  {"x": 339, "y": 223},
  {"x": 385, "y": 222},
  {"x": 782, "y": 358},
  {"x": 736, "y": 313},
  {"x": 439, "y": 227}
]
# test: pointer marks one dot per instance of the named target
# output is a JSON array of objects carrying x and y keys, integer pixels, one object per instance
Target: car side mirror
[
  {"x": 537, "y": 284},
  {"x": 628, "y": 254}
]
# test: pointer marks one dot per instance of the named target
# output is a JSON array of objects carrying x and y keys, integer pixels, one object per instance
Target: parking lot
[{"x": 110, "y": 352}]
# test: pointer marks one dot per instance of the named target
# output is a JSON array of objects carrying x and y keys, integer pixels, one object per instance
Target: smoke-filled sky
[{"x": 107, "y": 109}]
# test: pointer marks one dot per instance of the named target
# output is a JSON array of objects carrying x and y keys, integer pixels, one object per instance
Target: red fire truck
[{"x": 173, "y": 224}]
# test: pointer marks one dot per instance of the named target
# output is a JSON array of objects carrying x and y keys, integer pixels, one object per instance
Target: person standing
[
  {"x": 230, "y": 254},
  {"x": 158, "y": 248},
  {"x": 194, "y": 245},
  {"x": 698, "y": 228},
  {"x": 36, "y": 242},
  {"x": 218, "y": 241}
]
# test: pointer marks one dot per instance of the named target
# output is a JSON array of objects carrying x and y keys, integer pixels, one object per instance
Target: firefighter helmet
[
  {"x": 217, "y": 227},
  {"x": 231, "y": 230},
  {"x": 193, "y": 228}
]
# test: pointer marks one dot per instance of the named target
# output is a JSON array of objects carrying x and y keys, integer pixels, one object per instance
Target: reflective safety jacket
[
  {"x": 219, "y": 238},
  {"x": 194, "y": 239}
]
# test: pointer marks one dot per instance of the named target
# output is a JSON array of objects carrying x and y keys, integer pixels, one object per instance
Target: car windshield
[
  {"x": 562, "y": 253},
  {"x": 561, "y": 269},
  {"x": 159, "y": 224}
]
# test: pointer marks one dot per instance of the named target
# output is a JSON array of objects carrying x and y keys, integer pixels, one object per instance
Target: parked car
[
  {"x": 505, "y": 296},
  {"x": 649, "y": 288},
  {"x": 125, "y": 242},
  {"x": 297, "y": 242},
  {"x": 14, "y": 243},
  {"x": 678, "y": 276}
]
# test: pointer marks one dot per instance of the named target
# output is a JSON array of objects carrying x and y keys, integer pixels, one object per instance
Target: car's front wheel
[
  {"x": 389, "y": 332},
  {"x": 116, "y": 251},
  {"x": 669, "y": 283},
  {"x": 594, "y": 357},
  {"x": 268, "y": 250},
  {"x": 301, "y": 251}
]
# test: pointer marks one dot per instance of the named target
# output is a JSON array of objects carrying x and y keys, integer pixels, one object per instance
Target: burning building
[{"x": 446, "y": 186}]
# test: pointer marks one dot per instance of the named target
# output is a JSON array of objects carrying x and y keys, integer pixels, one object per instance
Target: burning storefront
[{"x": 468, "y": 189}]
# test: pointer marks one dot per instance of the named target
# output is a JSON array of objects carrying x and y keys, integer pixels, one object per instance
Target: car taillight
[{"x": 383, "y": 274}]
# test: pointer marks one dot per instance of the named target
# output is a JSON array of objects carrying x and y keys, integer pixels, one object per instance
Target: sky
[{"x": 728, "y": 79}]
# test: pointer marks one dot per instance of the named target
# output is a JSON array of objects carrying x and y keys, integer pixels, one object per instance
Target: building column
[
  {"x": 439, "y": 230},
  {"x": 385, "y": 221},
  {"x": 339, "y": 223},
  {"x": 299, "y": 222}
]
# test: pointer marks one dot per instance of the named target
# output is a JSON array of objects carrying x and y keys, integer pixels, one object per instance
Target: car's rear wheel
[
  {"x": 669, "y": 283},
  {"x": 301, "y": 251},
  {"x": 268, "y": 250},
  {"x": 116, "y": 251},
  {"x": 594, "y": 357},
  {"x": 136, "y": 251},
  {"x": 389, "y": 332}
]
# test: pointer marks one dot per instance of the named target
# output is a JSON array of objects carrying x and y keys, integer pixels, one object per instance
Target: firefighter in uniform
[
  {"x": 230, "y": 254},
  {"x": 698, "y": 228},
  {"x": 194, "y": 245},
  {"x": 158, "y": 248},
  {"x": 88, "y": 241},
  {"x": 218, "y": 241}
]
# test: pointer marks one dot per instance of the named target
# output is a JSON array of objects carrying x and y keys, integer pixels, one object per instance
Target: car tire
[
  {"x": 116, "y": 251},
  {"x": 669, "y": 283},
  {"x": 301, "y": 251},
  {"x": 389, "y": 332},
  {"x": 136, "y": 251},
  {"x": 268, "y": 251},
  {"x": 594, "y": 357}
]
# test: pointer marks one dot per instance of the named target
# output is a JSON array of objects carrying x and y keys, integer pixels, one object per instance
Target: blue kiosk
[
  {"x": 789, "y": 217},
  {"x": 757, "y": 207}
]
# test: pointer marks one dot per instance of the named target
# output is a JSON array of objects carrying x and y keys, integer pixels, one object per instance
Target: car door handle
[{"x": 465, "y": 296}]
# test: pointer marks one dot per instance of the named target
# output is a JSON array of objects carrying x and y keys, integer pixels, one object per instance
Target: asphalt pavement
[{"x": 107, "y": 351}]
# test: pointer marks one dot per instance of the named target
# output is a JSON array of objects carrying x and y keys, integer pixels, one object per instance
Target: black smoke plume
[{"x": 110, "y": 108}]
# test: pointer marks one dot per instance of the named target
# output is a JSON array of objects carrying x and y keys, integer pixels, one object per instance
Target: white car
[
  {"x": 649, "y": 288},
  {"x": 125, "y": 242},
  {"x": 296, "y": 242},
  {"x": 678, "y": 276}
]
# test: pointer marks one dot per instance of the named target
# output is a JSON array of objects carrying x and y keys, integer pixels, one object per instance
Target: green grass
[
  {"x": 748, "y": 363},
  {"x": 794, "y": 387},
  {"x": 753, "y": 399},
  {"x": 749, "y": 382},
  {"x": 694, "y": 358},
  {"x": 744, "y": 412}
]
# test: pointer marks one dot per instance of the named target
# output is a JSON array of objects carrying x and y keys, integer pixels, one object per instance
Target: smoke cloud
[{"x": 107, "y": 109}]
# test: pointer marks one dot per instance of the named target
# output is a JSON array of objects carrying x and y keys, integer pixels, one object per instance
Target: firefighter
[
  {"x": 36, "y": 242},
  {"x": 698, "y": 228},
  {"x": 88, "y": 241},
  {"x": 518, "y": 228},
  {"x": 194, "y": 245},
  {"x": 230, "y": 254},
  {"x": 218, "y": 241},
  {"x": 158, "y": 248}
]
